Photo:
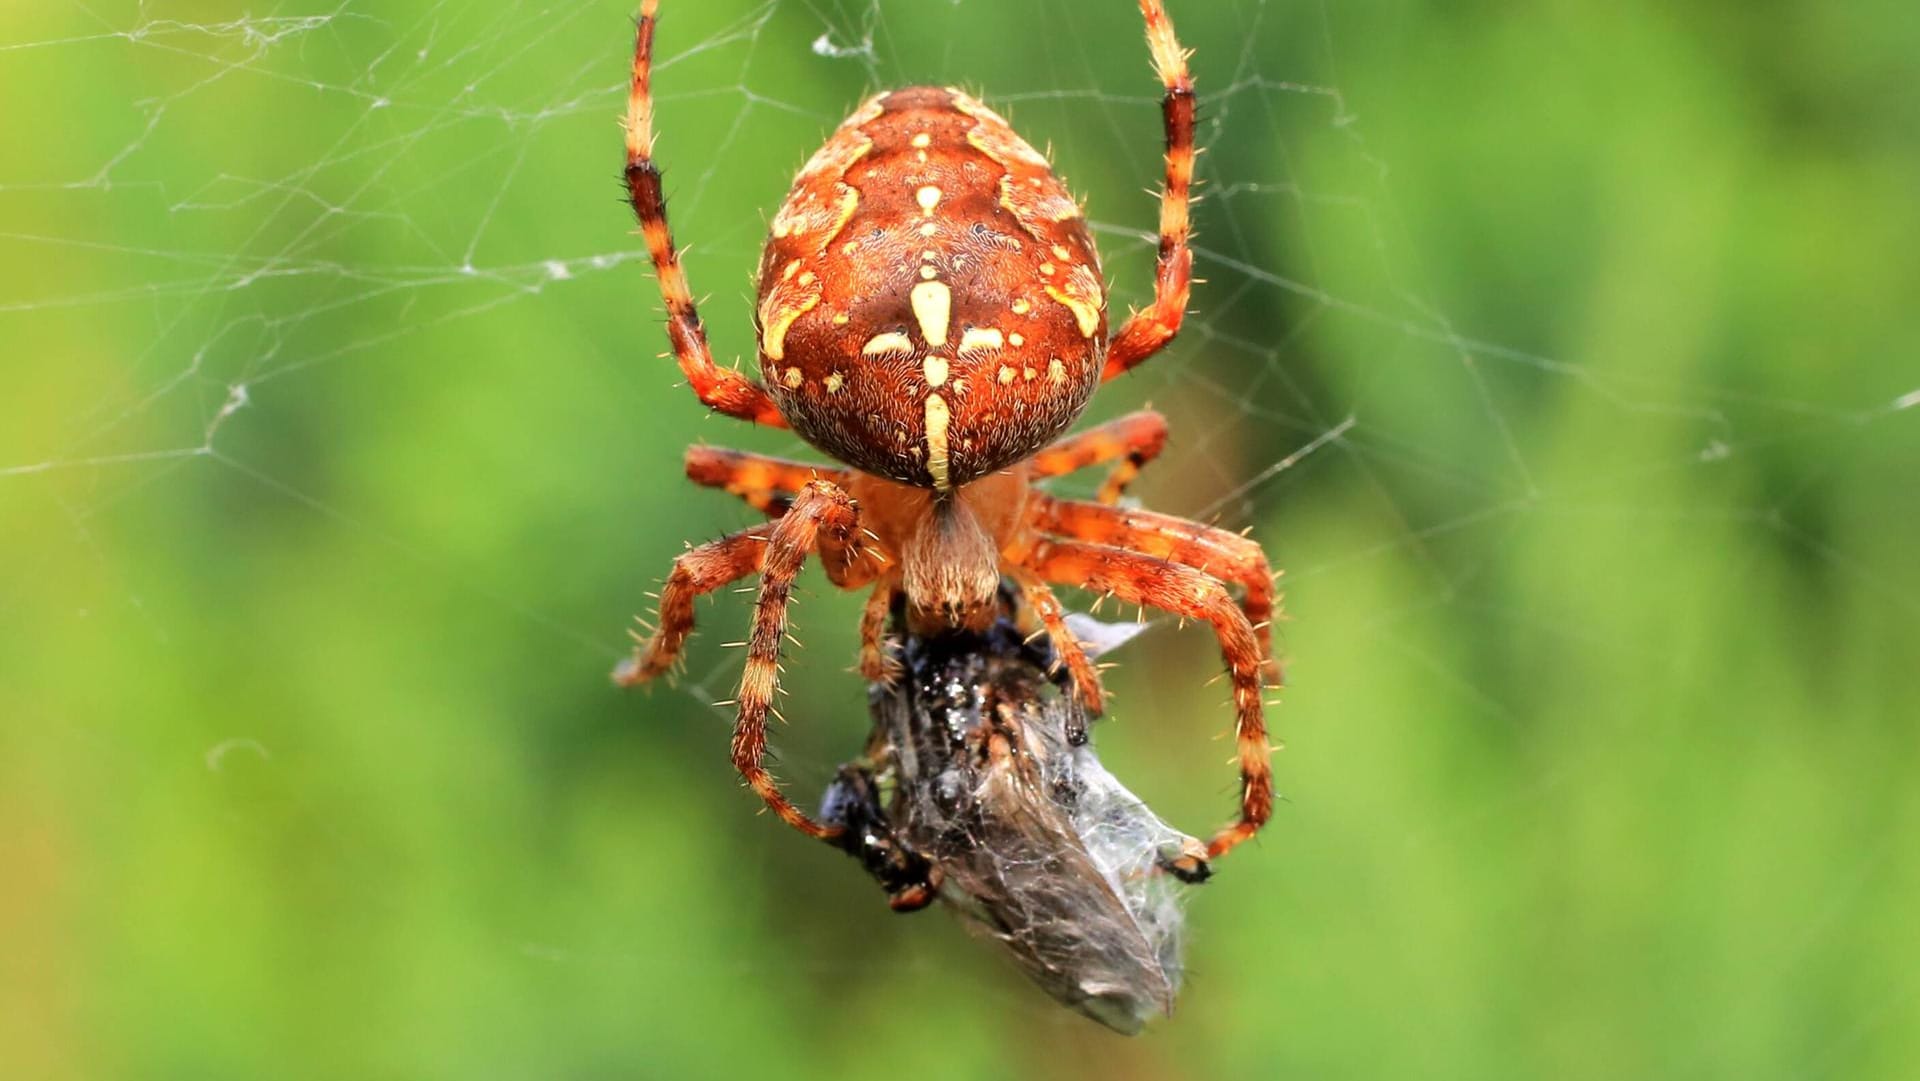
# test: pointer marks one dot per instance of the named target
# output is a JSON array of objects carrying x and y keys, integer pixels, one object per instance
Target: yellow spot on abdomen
[
  {"x": 891, "y": 341},
  {"x": 1086, "y": 312},
  {"x": 777, "y": 313},
  {"x": 980, "y": 338},
  {"x": 928, "y": 197},
  {"x": 932, "y": 301},
  {"x": 938, "y": 418}
]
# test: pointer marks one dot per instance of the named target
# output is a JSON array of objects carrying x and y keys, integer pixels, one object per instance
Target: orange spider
[{"x": 932, "y": 314}]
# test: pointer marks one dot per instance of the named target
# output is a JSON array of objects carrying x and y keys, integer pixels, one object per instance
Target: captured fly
[{"x": 979, "y": 787}]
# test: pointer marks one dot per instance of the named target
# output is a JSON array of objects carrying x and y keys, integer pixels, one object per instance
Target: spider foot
[
  {"x": 628, "y": 673},
  {"x": 1188, "y": 864},
  {"x": 882, "y": 666},
  {"x": 640, "y": 669}
]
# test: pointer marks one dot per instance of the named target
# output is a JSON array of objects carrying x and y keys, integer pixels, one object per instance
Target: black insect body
[{"x": 980, "y": 787}]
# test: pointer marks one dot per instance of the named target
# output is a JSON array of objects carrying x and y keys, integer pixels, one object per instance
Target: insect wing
[{"x": 979, "y": 772}]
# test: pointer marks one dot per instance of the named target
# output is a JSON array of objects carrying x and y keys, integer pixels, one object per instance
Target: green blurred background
[{"x": 335, "y": 458}]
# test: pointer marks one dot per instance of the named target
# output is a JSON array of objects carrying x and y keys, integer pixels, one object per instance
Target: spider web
[{"x": 335, "y": 458}]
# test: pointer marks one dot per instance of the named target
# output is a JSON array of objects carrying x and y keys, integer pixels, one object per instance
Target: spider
[{"x": 932, "y": 315}]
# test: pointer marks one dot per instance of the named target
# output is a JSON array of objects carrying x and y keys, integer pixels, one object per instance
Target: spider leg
[
  {"x": 767, "y": 484},
  {"x": 1215, "y": 552},
  {"x": 1149, "y": 329},
  {"x": 1139, "y": 579},
  {"x": 823, "y": 518},
  {"x": 1130, "y": 442},
  {"x": 698, "y": 571},
  {"x": 721, "y": 389},
  {"x": 877, "y": 663},
  {"x": 1040, "y": 598}
]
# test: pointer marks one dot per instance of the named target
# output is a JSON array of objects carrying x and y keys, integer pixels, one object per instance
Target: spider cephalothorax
[{"x": 932, "y": 314}]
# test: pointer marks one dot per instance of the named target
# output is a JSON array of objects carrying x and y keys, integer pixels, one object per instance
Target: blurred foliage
[{"x": 1601, "y": 736}]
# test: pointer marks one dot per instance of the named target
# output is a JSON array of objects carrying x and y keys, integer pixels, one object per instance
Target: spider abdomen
[{"x": 931, "y": 307}]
